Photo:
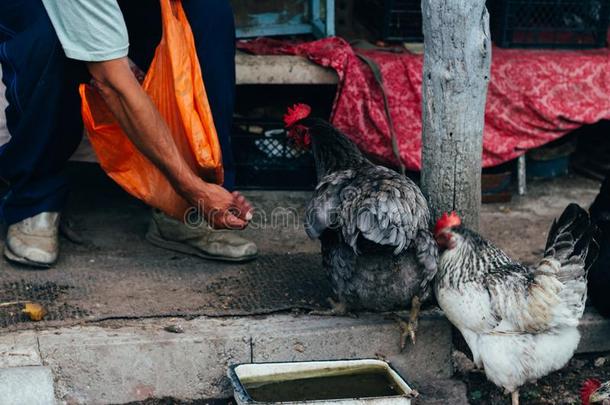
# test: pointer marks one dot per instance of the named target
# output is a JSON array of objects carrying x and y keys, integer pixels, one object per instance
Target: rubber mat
[{"x": 114, "y": 287}]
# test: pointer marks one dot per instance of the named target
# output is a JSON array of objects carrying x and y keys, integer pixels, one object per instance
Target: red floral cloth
[{"x": 535, "y": 96}]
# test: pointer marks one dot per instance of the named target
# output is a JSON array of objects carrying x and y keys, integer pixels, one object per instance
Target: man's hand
[{"x": 222, "y": 210}]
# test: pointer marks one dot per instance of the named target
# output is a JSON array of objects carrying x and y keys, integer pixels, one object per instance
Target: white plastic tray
[{"x": 262, "y": 372}]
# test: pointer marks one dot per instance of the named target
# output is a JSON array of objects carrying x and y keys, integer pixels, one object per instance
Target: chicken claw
[
  {"x": 414, "y": 317},
  {"x": 409, "y": 329},
  {"x": 336, "y": 309}
]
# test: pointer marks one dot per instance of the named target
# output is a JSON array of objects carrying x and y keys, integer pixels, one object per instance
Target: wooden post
[{"x": 457, "y": 60}]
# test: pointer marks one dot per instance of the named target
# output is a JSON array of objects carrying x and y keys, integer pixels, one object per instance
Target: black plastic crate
[
  {"x": 575, "y": 24},
  {"x": 266, "y": 159},
  {"x": 392, "y": 20}
]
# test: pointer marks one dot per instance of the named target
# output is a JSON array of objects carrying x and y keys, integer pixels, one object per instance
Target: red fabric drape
[{"x": 534, "y": 97}]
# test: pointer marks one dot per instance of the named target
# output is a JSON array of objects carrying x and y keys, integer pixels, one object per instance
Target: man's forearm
[
  {"x": 145, "y": 127},
  {"x": 142, "y": 123}
]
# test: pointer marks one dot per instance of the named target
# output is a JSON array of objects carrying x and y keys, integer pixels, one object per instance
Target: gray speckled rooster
[{"x": 373, "y": 224}]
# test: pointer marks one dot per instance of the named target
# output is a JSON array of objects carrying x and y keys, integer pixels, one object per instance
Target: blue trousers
[{"x": 43, "y": 115}]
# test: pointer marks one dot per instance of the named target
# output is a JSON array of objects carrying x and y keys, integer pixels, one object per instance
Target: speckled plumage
[
  {"x": 520, "y": 323},
  {"x": 373, "y": 224}
]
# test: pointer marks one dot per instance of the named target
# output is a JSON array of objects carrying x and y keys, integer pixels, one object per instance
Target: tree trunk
[{"x": 457, "y": 60}]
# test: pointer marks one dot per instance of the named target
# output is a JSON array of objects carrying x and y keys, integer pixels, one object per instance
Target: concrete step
[
  {"x": 124, "y": 361},
  {"x": 26, "y": 386},
  {"x": 139, "y": 360}
]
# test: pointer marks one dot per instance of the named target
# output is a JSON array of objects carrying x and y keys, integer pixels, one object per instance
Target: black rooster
[{"x": 373, "y": 224}]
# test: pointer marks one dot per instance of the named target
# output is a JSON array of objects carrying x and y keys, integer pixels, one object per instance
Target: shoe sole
[
  {"x": 189, "y": 250},
  {"x": 13, "y": 258}
]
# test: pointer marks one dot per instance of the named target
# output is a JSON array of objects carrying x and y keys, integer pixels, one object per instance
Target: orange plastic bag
[{"x": 175, "y": 84}]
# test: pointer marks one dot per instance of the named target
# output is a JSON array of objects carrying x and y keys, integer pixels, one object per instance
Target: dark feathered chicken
[
  {"x": 373, "y": 223},
  {"x": 599, "y": 275}
]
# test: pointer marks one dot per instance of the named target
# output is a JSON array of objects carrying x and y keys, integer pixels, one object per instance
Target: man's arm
[{"x": 145, "y": 127}]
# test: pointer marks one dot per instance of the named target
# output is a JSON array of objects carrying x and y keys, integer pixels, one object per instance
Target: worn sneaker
[
  {"x": 201, "y": 241},
  {"x": 34, "y": 241}
]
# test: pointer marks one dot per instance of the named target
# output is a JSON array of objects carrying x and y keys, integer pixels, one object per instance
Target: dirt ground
[
  {"x": 520, "y": 227},
  {"x": 559, "y": 388}
]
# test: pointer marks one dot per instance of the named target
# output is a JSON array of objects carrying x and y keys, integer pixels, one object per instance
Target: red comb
[
  {"x": 588, "y": 388},
  {"x": 447, "y": 220},
  {"x": 296, "y": 113}
]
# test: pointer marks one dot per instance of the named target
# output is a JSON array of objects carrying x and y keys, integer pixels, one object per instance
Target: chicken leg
[
  {"x": 514, "y": 397},
  {"x": 409, "y": 329}
]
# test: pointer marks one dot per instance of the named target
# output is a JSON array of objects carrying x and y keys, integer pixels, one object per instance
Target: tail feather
[
  {"x": 570, "y": 251},
  {"x": 571, "y": 240}
]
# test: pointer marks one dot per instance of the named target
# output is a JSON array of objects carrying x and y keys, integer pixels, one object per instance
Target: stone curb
[
  {"x": 100, "y": 365},
  {"x": 141, "y": 359}
]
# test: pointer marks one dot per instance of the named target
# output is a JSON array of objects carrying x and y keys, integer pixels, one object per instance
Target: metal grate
[
  {"x": 574, "y": 24},
  {"x": 392, "y": 20},
  {"x": 267, "y": 159}
]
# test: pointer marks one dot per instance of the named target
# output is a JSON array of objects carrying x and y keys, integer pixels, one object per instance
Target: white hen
[{"x": 520, "y": 323}]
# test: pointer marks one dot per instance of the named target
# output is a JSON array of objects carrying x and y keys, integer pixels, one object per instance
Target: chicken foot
[
  {"x": 337, "y": 308},
  {"x": 409, "y": 329}
]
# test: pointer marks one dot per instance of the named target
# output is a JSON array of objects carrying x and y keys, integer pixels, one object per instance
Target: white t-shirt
[{"x": 89, "y": 30}]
